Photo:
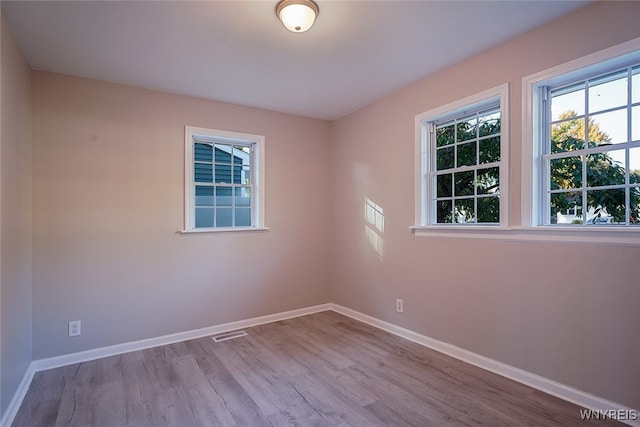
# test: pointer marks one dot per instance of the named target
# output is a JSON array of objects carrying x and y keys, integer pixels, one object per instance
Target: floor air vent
[{"x": 229, "y": 336}]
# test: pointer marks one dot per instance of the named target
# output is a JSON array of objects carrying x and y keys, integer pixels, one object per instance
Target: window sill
[
  {"x": 223, "y": 230},
  {"x": 599, "y": 235}
]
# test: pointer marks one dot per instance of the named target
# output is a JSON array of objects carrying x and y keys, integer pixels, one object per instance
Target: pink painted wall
[
  {"x": 566, "y": 312},
  {"x": 15, "y": 218},
  {"x": 108, "y": 192}
]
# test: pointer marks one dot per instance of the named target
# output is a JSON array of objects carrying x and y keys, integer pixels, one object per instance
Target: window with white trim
[
  {"x": 461, "y": 168},
  {"x": 223, "y": 179},
  {"x": 585, "y": 146}
]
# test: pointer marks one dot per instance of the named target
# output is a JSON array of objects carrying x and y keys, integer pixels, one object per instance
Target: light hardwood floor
[{"x": 318, "y": 370}]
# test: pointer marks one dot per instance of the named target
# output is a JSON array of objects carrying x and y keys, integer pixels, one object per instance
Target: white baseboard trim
[
  {"x": 562, "y": 391},
  {"x": 112, "y": 350},
  {"x": 18, "y": 397}
]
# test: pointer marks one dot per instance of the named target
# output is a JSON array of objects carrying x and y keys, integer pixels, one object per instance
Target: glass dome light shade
[{"x": 297, "y": 15}]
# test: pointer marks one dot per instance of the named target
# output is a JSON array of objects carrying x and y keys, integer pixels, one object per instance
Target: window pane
[
  {"x": 444, "y": 212},
  {"x": 241, "y": 154},
  {"x": 223, "y": 153},
  {"x": 237, "y": 174},
  {"x": 245, "y": 177},
  {"x": 467, "y": 154},
  {"x": 608, "y": 128},
  {"x": 635, "y": 123},
  {"x": 635, "y": 85},
  {"x": 223, "y": 196},
  {"x": 489, "y": 209},
  {"x": 444, "y": 158},
  {"x": 566, "y": 173},
  {"x": 203, "y": 172},
  {"x": 567, "y": 135},
  {"x": 444, "y": 185},
  {"x": 243, "y": 197},
  {"x": 203, "y": 152},
  {"x": 464, "y": 183},
  {"x": 606, "y": 206},
  {"x": 564, "y": 208},
  {"x": 467, "y": 128},
  {"x": 204, "y": 217},
  {"x": 223, "y": 173},
  {"x": 489, "y": 123},
  {"x": 606, "y": 168},
  {"x": 608, "y": 91},
  {"x": 567, "y": 101},
  {"x": 241, "y": 165},
  {"x": 204, "y": 196},
  {"x": 634, "y": 165},
  {"x": 243, "y": 217},
  {"x": 223, "y": 217},
  {"x": 488, "y": 181},
  {"x": 634, "y": 217},
  {"x": 445, "y": 135},
  {"x": 490, "y": 150},
  {"x": 465, "y": 211}
]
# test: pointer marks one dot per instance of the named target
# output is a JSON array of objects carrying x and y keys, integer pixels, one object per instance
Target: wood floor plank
[
  {"x": 300, "y": 414},
  {"x": 248, "y": 385},
  {"x": 331, "y": 404},
  {"x": 109, "y": 408},
  {"x": 322, "y": 369},
  {"x": 173, "y": 408},
  {"x": 208, "y": 407},
  {"x": 273, "y": 354},
  {"x": 75, "y": 406},
  {"x": 393, "y": 417},
  {"x": 37, "y": 413},
  {"x": 314, "y": 343},
  {"x": 160, "y": 369},
  {"x": 268, "y": 389}
]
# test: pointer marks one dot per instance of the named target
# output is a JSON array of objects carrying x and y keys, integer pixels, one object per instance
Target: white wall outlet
[
  {"x": 399, "y": 305},
  {"x": 74, "y": 328}
]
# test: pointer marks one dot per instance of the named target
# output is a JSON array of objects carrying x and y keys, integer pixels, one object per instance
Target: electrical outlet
[
  {"x": 399, "y": 305},
  {"x": 74, "y": 328}
]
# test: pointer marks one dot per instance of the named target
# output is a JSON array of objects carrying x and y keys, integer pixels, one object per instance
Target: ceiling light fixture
[{"x": 297, "y": 15}]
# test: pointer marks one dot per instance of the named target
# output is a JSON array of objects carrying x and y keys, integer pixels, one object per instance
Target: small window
[
  {"x": 462, "y": 174},
  {"x": 586, "y": 146},
  {"x": 223, "y": 179}
]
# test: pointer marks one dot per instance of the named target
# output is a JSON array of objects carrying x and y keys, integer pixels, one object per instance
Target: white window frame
[
  {"x": 425, "y": 223},
  {"x": 257, "y": 142},
  {"x": 532, "y": 215}
]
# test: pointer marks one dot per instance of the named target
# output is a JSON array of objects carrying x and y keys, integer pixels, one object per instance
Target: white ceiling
[{"x": 238, "y": 51}]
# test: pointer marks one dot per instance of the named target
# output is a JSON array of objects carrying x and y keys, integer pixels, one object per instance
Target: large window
[
  {"x": 592, "y": 151},
  {"x": 461, "y": 173},
  {"x": 584, "y": 155},
  {"x": 223, "y": 179}
]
